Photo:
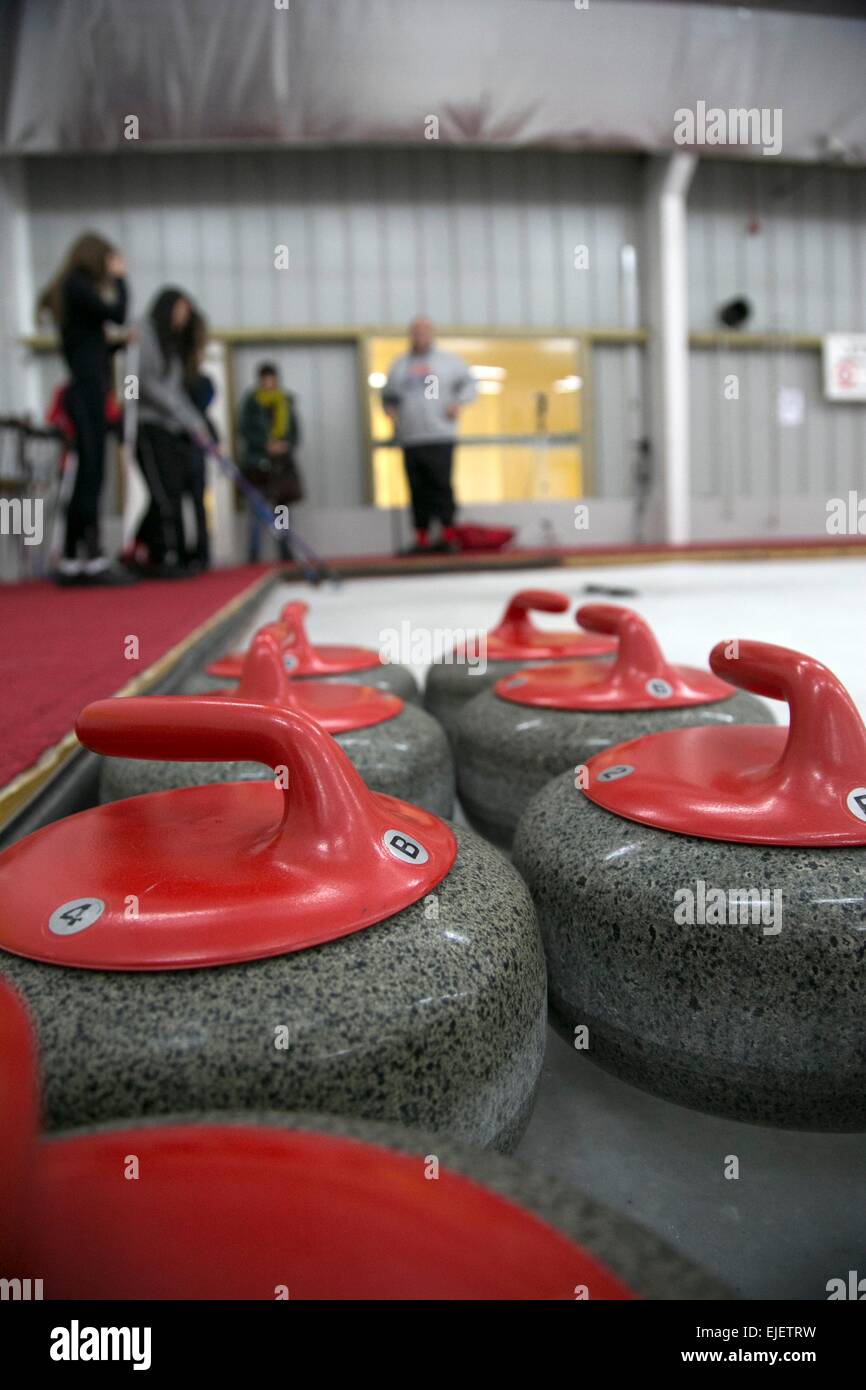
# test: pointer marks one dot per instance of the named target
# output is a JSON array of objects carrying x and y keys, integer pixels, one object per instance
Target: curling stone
[
  {"x": 396, "y": 748},
  {"x": 303, "y": 661},
  {"x": 297, "y": 1206},
  {"x": 516, "y": 642},
  {"x": 298, "y": 943},
  {"x": 531, "y": 726},
  {"x": 701, "y": 902}
]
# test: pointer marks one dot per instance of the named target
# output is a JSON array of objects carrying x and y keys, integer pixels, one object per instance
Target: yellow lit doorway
[{"x": 519, "y": 440}]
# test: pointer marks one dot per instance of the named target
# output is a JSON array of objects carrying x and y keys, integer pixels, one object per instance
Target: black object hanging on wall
[{"x": 735, "y": 313}]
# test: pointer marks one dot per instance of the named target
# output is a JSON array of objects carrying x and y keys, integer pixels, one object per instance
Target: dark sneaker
[
  {"x": 69, "y": 572},
  {"x": 107, "y": 574}
]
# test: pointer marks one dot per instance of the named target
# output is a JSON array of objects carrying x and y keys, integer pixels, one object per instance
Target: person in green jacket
[{"x": 270, "y": 432}]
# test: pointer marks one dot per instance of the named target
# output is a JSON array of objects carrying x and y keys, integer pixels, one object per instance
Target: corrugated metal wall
[
  {"x": 741, "y": 447},
  {"x": 488, "y": 238},
  {"x": 611, "y": 441},
  {"x": 11, "y": 376},
  {"x": 374, "y": 236},
  {"x": 792, "y": 238},
  {"x": 472, "y": 237}
]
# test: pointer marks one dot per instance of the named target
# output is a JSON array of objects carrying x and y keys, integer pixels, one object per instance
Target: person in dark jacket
[
  {"x": 270, "y": 432},
  {"x": 169, "y": 430},
  {"x": 87, "y": 293},
  {"x": 201, "y": 391}
]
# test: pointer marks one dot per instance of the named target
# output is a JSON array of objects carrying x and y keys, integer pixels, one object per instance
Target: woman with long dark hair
[
  {"x": 87, "y": 292},
  {"x": 170, "y": 428}
]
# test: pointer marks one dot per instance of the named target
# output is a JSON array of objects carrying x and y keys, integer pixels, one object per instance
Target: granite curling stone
[
  {"x": 299, "y": 1206},
  {"x": 701, "y": 903},
  {"x": 532, "y": 726},
  {"x": 310, "y": 945},
  {"x": 477, "y": 661},
  {"x": 306, "y": 662},
  {"x": 396, "y": 748}
]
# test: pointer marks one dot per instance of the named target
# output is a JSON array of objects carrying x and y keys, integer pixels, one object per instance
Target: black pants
[
  {"x": 164, "y": 459},
  {"x": 193, "y": 485},
  {"x": 85, "y": 401},
  {"x": 428, "y": 469}
]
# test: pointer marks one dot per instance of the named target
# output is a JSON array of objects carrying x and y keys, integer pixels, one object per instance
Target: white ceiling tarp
[{"x": 491, "y": 72}]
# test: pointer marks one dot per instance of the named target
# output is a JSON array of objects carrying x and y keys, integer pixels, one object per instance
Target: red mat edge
[{"x": 20, "y": 789}]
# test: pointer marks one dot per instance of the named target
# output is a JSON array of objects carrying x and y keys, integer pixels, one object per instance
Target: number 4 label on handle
[{"x": 75, "y": 915}]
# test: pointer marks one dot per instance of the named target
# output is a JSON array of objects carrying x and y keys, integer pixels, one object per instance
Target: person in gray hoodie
[
  {"x": 169, "y": 431},
  {"x": 423, "y": 395}
]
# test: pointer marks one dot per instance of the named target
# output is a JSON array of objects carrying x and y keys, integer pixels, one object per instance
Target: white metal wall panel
[
  {"x": 508, "y": 245},
  {"x": 9, "y": 375},
  {"x": 613, "y": 457},
  {"x": 374, "y": 236},
  {"x": 540, "y": 233},
  {"x": 741, "y": 449},
  {"x": 790, "y": 238},
  {"x": 436, "y": 235},
  {"x": 471, "y": 239}
]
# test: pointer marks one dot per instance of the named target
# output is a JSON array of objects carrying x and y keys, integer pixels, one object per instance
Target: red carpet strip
[{"x": 62, "y": 648}]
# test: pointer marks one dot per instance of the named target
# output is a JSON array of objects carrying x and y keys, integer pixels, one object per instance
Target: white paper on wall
[{"x": 790, "y": 406}]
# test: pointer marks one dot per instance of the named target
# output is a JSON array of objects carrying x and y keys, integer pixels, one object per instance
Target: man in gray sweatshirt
[{"x": 423, "y": 396}]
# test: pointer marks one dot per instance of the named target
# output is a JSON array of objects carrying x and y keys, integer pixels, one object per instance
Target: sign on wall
[{"x": 845, "y": 366}]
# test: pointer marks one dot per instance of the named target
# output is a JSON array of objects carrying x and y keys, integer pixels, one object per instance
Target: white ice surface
[{"x": 814, "y": 606}]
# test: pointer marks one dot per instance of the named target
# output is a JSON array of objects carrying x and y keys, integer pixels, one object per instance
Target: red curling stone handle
[
  {"x": 293, "y": 622},
  {"x": 294, "y": 612},
  {"x": 226, "y": 872},
  {"x": 750, "y": 784},
  {"x": 826, "y": 738},
  {"x": 639, "y": 654},
  {"x": 516, "y": 625},
  {"x": 323, "y": 787},
  {"x": 264, "y": 676}
]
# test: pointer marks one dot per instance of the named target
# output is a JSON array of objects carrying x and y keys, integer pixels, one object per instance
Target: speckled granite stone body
[
  {"x": 433, "y": 1018},
  {"x": 394, "y": 679},
  {"x": 505, "y": 753},
  {"x": 407, "y": 757},
  {"x": 647, "y": 1266},
  {"x": 450, "y": 686},
  {"x": 755, "y": 1025}
]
